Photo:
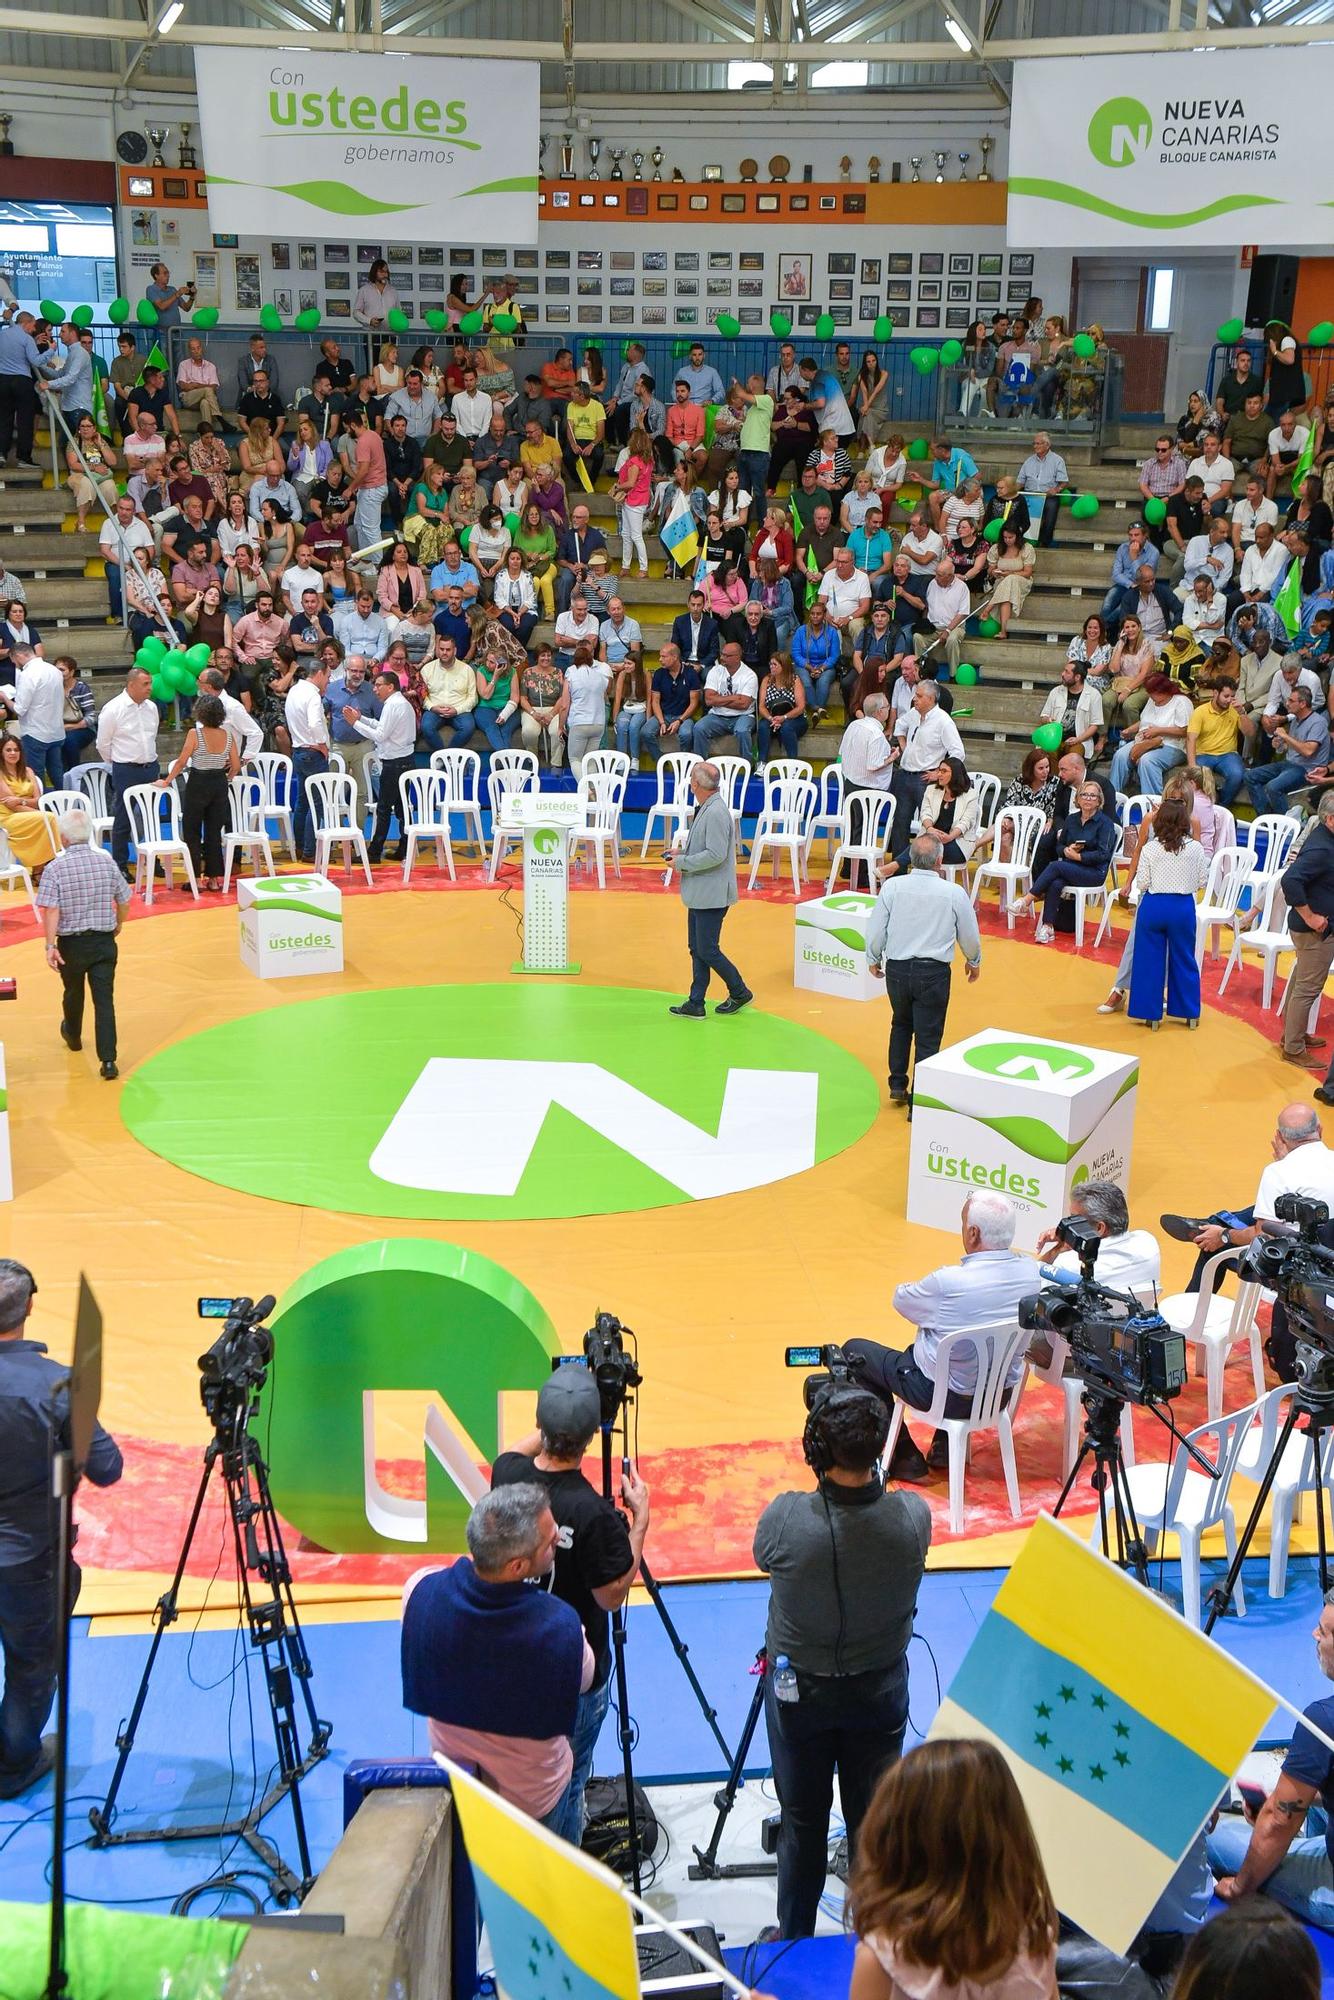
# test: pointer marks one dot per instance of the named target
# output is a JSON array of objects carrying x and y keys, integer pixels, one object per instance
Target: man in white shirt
[
  {"x": 866, "y": 753},
  {"x": 1204, "y": 613},
  {"x": 1286, "y": 443},
  {"x": 123, "y": 534},
  {"x": 1129, "y": 1260},
  {"x": 1216, "y": 471},
  {"x": 127, "y": 741},
  {"x": 846, "y": 593},
  {"x": 1264, "y": 562},
  {"x": 302, "y": 576},
  {"x": 242, "y": 724},
  {"x": 582, "y": 709},
  {"x": 731, "y": 691},
  {"x": 947, "y": 608},
  {"x": 985, "y": 1285},
  {"x": 575, "y": 627},
  {"x": 472, "y": 407},
  {"x": 1249, "y": 512},
  {"x": 926, "y": 735},
  {"x": 38, "y": 701},
  {"x": 1076, "y": 707},
  {"x": 394, "y": 734},
  {"x": 308, "y": 727},
  {"x": 1209, "y": 554},
  {"x": 923, "y": 547}
]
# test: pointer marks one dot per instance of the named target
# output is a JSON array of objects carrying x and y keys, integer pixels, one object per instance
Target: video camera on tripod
[
  {"x": 234, "y": 1369},
  {"x": 1300, "y": 1269},
  {"x": 1118, "y": 1346},
  {"x": 612, "y": 1366},
  {"x": 832, "y": 1369}
]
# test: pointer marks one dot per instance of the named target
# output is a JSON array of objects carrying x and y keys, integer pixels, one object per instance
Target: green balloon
[
  {"x": 1230, "y": 330},
  {"x": 162, "y": 688},
  {"x": 952, "y": 353},
  {"x": 146, "y": 313},
  {"x": 465, "y": 535},
  {"x": 504, "y": 322},
  {"x": 1047, "y": 736},
  {"x": 513, "y": 523},
  {"x": 205, "y": 318},
  {"x": 181, "y": 676},
  {"x": 1085, "y": 346},
  {"x": 926, "y": 360},
  {"x": 154, "y": 644},
  {"x": 991, "y": 533},
  {"x": 270, "y": 318},
  {"x": 987, "y": 628},
  {"x": 82, "y": 316},
  {"x": 435, "y": 319},
  {"x": 918, "y": 449},
  {"x": 118, "y": 311},
  {"x": 53, "y": 314},
  {"x": 780, "y": 325},
  {"x": 1155, "y": 510},
  {"x": 1084, "y": 506},
  {"x": 883, "y": 328},
  {"x": 728, "y": 326},
  {"x": 148, "y": 661},
  {"x": 198, "y": 657},
  {"x": 824, "y": 327},
  {"x": 397, "y": 320},
  {"x": 307, "y": 321},
  {"x": 680, "y": 347},
  {"x": 1321, "y": 334},
  {"x": 966, "y": 674},
  {"x": 471, "y": 323}
]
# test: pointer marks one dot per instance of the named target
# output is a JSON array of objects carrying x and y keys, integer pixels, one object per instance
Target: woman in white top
[
  {"x": 237, "y": 528},
  {"x": 376, "y": 298},
  {"x": 488, "y": 546},
  {"x": 1150, "y": 747},
  {"x": 731, "y": 499},
  {"x": 1173, "y": 869},
  {"x": 888, "y": 469},
  {"x": 386, "y": 374},
  {"x": 860, "y": 497}
]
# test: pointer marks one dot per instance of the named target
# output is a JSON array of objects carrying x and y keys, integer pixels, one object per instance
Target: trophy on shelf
[
  {"x": 637, "y": 162},
  {"x": 873, "y": 167},
  {"x": 748, "y": 170},
  {"x": 941, "y": 158},
  {"x": 964, "y": 158},
  {"x": 567, "y": 156},
  {"x": 987, "y": 143},
  {"x": 915, "y": 162},
  {"x": 656, "y": 157},
  {"x": 845, "y": 168},
  {"x": 617, "y": 155},
  {"x": 158, "y": 137},
  {"x": 594, "y": 154},
  {"x": 187, "y": 151}
]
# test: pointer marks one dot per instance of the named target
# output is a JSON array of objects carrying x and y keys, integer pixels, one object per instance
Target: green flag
[
  {"x": 1288, "y": 603},
  {"x": 101, "y": 415},
  {"x": 798, "y": 525},
  {"x": 155, "y": 358},
  {"x": 1304, "y": 463}
]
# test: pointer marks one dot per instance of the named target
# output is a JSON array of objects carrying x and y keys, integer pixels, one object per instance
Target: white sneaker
[{"x": 1044, "y": 934}]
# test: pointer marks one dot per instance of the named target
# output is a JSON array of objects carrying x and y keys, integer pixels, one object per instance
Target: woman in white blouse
[
  {"x": 377, "y": 297},
  {"x": 1172, "y": 870}
]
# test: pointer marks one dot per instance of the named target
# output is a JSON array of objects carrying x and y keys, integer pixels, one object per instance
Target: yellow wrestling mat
[{"x": 715, "y": 1288}]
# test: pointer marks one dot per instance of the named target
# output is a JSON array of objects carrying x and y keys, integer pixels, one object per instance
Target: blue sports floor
[{"x": 204, "y": 1741}]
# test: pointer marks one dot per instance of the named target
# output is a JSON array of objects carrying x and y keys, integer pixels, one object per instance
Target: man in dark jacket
[{"x": 1308, "y": 891}]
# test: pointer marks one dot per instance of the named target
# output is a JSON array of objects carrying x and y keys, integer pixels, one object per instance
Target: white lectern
[{"x": 546, "y": 823}]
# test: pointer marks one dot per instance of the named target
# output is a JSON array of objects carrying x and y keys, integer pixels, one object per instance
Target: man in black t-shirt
[
  {"x": 1277, "y": 1857},
  {"x": 596, "y": 1554},
  {"x": 260, "y": 400},
  {"x": 1184, "y": 520}
]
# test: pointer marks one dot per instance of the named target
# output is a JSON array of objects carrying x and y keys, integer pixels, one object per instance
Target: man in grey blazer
[{"x": 707, "y": 865}]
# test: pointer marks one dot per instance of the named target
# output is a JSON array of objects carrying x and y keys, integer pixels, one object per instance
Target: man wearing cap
[{"x": 597, "y": 1556}]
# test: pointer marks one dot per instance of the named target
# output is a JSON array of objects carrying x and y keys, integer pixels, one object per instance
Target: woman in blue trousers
[{"x": 1172, "y": 870}]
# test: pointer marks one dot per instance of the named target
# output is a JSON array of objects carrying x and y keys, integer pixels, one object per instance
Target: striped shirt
[
  {"x": 85, "y": 885},
  {"x": 1163, "y": 476}
]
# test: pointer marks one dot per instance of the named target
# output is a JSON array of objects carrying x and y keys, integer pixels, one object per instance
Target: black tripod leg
[
  {"x": 682, "y": 1652},
  {"x": 1131, "y": 1551},
  {"x": 705, "y": 1868},
  {"x": 625, "y": 1737},
  {"x": 165, "y": 1614},
  {"x": 1085, "y": 1451},
  {"x": 1220, "y": 1597}
]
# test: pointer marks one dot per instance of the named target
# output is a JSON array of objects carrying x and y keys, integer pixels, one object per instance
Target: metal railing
[
  {"x": 958, "y": 403},
  {"x": 1317, "y": 361}
]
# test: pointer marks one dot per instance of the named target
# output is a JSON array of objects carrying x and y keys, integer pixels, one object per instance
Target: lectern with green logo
[
  {"x": 546, "y": 823},
  {"x": 1024, "y": 1116}
]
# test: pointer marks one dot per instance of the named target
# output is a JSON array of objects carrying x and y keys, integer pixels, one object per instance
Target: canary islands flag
[
  {"x": 559, "y": 1924},
  {"x": 1121, "y": 1723},
  {"x": 678, "y": 534}
]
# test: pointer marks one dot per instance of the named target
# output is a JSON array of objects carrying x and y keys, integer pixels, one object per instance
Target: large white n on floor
[{"x": 469, "y": 1127}]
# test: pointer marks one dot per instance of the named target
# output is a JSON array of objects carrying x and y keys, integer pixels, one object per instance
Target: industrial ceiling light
[
  {"x": 170, "y": 15},
  {"x": 958, "y": 34}
]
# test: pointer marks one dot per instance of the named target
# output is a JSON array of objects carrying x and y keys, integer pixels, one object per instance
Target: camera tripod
[
  {"x": 1101, "y": 1442},
  {"x": 1314, "y": 1400},
  {"x": 271, "y": 1624},
  {"x": 706, "y": 1866}
]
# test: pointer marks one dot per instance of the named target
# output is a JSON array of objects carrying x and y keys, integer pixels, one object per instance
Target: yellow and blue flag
[
  {"x": 1122, "y": 1725},
  {"x": 559, "y": 1923},
  {"x": 678, "y": 535}
]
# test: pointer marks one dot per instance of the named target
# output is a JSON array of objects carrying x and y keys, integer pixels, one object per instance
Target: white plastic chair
[
  {"x": 674, "y": 803},
  {"x": 827, "y": 819},
  {"x": 1015, "y": 875},
  {"x": 733, "y": 777},
  {"x": 1083, "y": 898},
  {"x": 274, "y": 772},
  {"x": 1278, "y": 833},
  {"x": 601, "y": 830},
  {"x": 1176, "y": 1499},
  {"x": 988, "y": 789},
  {"x": 462, "y": 772},
  {"x": 1211, "y": 1321},
  {"x": 12, "y": 870},
  {"x": 997, "y": 1345},
  {"x": 1269, "y": 935},
  {"x": 868, "y": 820},
  {"x": 94, "y": 781},
  {"x": 54, "y": 803},
  {"x": 511, "y": 771},
  {"x": 1131, "y": 814},
  {"x": 425, "y": 796},
  {"x": 603, "y": 764},
  {"x": 781, "y": 770},
  {"x": 246, "y": 832},
  {"x": 152, "y": 843},
  {"x": 333, "y": 811},
  {"x": 1230, "y": 872},
  {"x": 783, "y": 827}
]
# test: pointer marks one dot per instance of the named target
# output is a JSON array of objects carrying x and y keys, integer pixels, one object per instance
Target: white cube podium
[
  {"x": 829, "y": 947},
  {"x": 1028, "y": 1117},
  {"x": 546, "y": 821},
  {"x": 290, "y": 925}
]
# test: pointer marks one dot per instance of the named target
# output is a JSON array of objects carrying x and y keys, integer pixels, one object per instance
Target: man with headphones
[
  {"x": 844, "y": 1565},
  {"x": 34, "y": 1409}
]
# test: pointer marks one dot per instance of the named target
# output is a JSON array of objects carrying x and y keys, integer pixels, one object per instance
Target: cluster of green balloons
[
  {"x": 1047, "y": 736},
  {"x": 925, "y": 359},
  {"x": 118, "y": 312},
  {"x": 175, "y": 671}
]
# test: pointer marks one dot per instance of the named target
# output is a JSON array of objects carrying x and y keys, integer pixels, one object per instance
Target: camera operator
[
  {"x": 1128, "y": 1259},
  {"x": 596, "y": 1555},
  {"x": 844, "y": 1566},
  {"x": 34, "y": 1408}
]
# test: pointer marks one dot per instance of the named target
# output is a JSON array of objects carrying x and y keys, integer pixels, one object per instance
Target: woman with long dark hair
[{"x": 1172, "y": 870}]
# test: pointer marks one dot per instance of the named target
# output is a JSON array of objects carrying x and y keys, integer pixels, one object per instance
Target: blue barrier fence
[{"x": 1317, "y": 361}]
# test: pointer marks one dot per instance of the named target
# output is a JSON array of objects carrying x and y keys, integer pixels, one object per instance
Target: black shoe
[
  {"x": 734, "y": 1003},
  {"x": 898, "y": 1093},
  {"x": 1185, "y": 1228},
  {"x": 1323, "y": 1094},
  {"x": 374, "y": 858},
  {"x": 696, "y": 1012},
  {"x": 11, "y": 1788},
  {"x": 938, "y": 1458},
  {"x": 70, "y": 1041},
  {"x": 908, "y": 1463},
  {"x": 110, "y": 1072}
]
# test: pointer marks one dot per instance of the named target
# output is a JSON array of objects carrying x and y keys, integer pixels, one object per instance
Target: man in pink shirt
[
  {"x": 255, "y": 636},
  {"x": 197, "y": 382},
  {"x": 496, "y": 1666},
  {"x": 685, "y": 427},
  {"x": 369, "y": 481}
]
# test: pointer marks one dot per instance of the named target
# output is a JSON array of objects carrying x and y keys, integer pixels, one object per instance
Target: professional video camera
[
  {"x": 613, "y": 1369},
  {"x": 1300, "y": 1268},
  {"x": 834, "y": 1369},
  {"x": 237, "y": 1363},
  {"x": 1119, "y": 1347}
]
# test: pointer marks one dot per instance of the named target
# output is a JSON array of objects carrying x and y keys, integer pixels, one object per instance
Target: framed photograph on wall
[
  {"x": 959, "y": 292},
  {"x": 590, "y": 315},
  {"x": 961, "y": 263},
  {"x": 687, "y": 288},
  {"x": 751, "y": 260},
  {"x": 399, "y": 253},
  {"x": 636, "y": 201},
  {"x": 840, "y": 288},
  {"x": 928, "y": 316},
  {"x": 622, "y": 288},
  {"x": 557, "y": 260},
  {"x": 807, "y": 315},
  {"x": 988, "y": 293},
  {"x": 307, "y": 299},
  {"x": 749, "y": 316},
  {"x": 338, "y": 281},
  {"x": 720, "y": 260},
  {"x": 718, "y": 288},
  {"x": 433, "y": 283},
  {"x": 336, "y": 253},
  {"x": 842, "y": 264},
  {"x": 431, "y": 257},
  {"x": 558, "y": 315},
  {"x": 868, "y": 306},
  {"x": 280, "y": 256},
  {"x": 958, "y": 319},
  {"x": 928, "y": 292},
  {"x": 369, "y": 253},
  {"x": 589, "y": 288},
  {"x": 463, "y": 260},
  {"x": 621, "y": 316},
  {"x": 206, "y": 277},
  {"x": 899, "y": 264},
  {"x": 841, "y": 315},
  {"x": 750, "y": 288},
  {"x": 590, "y": 260},
  {"x": 522, "y": 260},
  {"x": 686, "y": 260},
  {"x": 558, "y": 288},
  {"x": 899, "y": 291},
  {"x": 930, "y": 264},
  {"x": 653, "y": 288},
  {"x": 990, "y": 264},
  {"x": 245, "y": 276},
  {"x": 1021, "y": 264},
  {"x": 307, "y": 257},
  {"x": 621, "y": 260},
  {"x": 687, "y": 315},
  {"x": 794, "y": 275},
  {"x": 1016, "y": 292},
  {"x": 338, "y": 308},
  {"x": 525, "y": 284},
  {"x": 897, "y": 316},
  {"x": 653, "y": 315},
  {"x": 227, "y": 241},
  {"x": 492, "y": 260},
  {"x": 870, "y": 271},
  {"x": 653, "y": 260}
]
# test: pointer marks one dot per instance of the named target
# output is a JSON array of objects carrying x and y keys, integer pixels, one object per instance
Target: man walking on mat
[
  {"x": 82, "y": 896},
  {"x": 707, "y": 867},
  {"x": 915, "y": 925}
]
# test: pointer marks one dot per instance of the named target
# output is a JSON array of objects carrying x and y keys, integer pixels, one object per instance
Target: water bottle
[{"x": 785, "y": 1680}]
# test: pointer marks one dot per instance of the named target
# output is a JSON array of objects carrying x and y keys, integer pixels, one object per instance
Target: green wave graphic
[
  {"x": 1030, "y": 1135},
  {"x": 302, "y": 909},
  {"x": 852, "y": 939},
  {"x": 335, "y": 197},
  {"x": 1074, "y": 197},
  {"x": 520, "y": 184}
]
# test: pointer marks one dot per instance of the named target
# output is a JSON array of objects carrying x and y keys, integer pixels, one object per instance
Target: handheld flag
[
  {"x": 1288, "y": 600},
  {"x": 582, "y": 469},
  {"x": 1304, "y": 462},
  {"x": 101, "y": 414},
  {"x": 1121, "y": 1723},
  {"x": 678, "y": 534},
  {"x": 154, "y": 358}
]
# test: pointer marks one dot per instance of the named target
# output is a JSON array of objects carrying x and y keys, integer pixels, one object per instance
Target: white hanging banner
[
  {"x": 1171, "y": 150},
  {"x": 423, "y": 149}
]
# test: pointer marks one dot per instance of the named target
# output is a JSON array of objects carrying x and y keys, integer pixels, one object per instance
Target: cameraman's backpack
[{"x": 607, "y": 1831}]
